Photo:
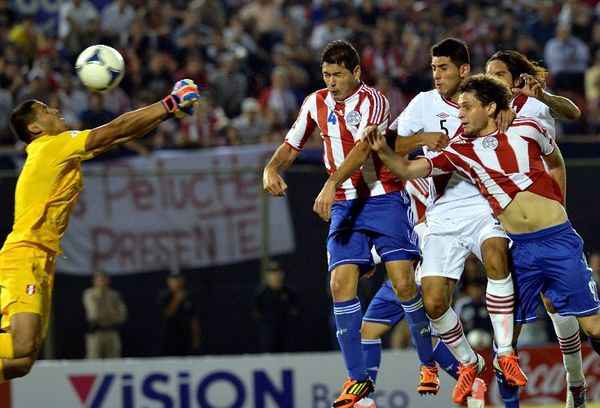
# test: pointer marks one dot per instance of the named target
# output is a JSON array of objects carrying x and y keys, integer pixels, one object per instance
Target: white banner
[
  {"x": 308, "y": 380},
  {"x": 174, "y": 208}
]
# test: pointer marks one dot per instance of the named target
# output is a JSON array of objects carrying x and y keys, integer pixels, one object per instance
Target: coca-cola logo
[{"x": 547, "y": 376}]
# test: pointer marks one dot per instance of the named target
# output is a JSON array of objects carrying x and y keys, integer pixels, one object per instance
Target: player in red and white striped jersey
[
  {"x": 527, "y": 82},
  {"x": 459, "y": 219},
  {"x": 341, "y": 124},
  {"x": 508, "y": 168},
  {"x": 367, "y": 207}
]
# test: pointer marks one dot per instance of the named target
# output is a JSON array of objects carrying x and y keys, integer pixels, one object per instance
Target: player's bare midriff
[{"x": 529, "y": 212}]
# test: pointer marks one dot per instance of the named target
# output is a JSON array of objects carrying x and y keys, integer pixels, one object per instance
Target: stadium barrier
[{"x": 264, "y": 381}]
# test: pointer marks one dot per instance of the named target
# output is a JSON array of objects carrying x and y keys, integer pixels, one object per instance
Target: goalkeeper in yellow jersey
[{"x": 47, "y": 189}]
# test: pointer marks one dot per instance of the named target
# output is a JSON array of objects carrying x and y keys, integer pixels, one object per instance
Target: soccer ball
[
  {"x": 100, "y": 68},
  {"x": 479, "y": 338}
]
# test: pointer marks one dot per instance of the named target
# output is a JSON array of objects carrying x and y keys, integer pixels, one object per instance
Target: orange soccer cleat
[
  {"x": 352, "y": 392},
  {"x": 429, "y": 383},
  {"x": 509, "y": 366},
  {"x": 466, "y": 377}
]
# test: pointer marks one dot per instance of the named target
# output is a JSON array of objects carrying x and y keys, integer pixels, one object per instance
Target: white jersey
[
  {"x": 451, "y": 195},
  {"x": 534, "y": 108}
]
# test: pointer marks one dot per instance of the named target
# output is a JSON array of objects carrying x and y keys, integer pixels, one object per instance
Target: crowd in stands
[{"x": 256, "y": 59}]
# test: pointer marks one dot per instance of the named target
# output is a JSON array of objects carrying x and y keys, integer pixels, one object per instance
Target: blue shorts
[
  {"x": 385, "y": 308},
  {"x": 385, "y": 221},
  {"x": 552, "y": 261}
]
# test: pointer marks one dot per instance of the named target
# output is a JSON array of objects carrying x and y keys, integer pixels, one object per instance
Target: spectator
[
  {"x": 250, "y": 125},
  {"x": 332, "y": 28},
  {"x": 157, "y": 77},
  {"x": 180, "y": 335},
  {"x": 267, "y": 15},
  {"x": 205, "y": 128},
  {"x": 543, "y": 25},
  {"x": 7, "y": 16},
  {"x": 592, "y": 76},
  {"x": 566, "y": 57},
  {"x": 96, "y": 115},
  {"x": 194, "y": 70},
  {"x": 191, "y": 24},
  {"x": 380, "y": 57},
  {"x": 104, "y": 313},
  {"x": 77, "y": 24},
  {"x": 274, "y": 309},
  {"x": 212, "y": 12},
  {"x": 279, "y": 98},
  {"x": 394, "y": 94},
  {"x": 27, "y": 36},
  {"x": 6, "y": 106},
  {"x": 37, "y": 88},
  {"x": 116, "y": 18},
  {"x": 229, "y": 85}
]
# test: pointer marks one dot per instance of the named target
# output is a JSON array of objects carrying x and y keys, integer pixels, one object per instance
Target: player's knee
[
  {"x": 592, "y": 330},
  {"x": 340, "y": 289},
  {"x": 591, "y": 326},
  {"x": 406, "y": 289},
  {"x": 435, "y": 307}
]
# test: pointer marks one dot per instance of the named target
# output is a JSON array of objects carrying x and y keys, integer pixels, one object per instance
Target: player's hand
[
  {"x": 435, "y": 140},
  {"x": 181, "y": 101},
  {"x": 273, "y": 183},
  {"x": 375, "y": 139},
  {"x": 325, "y": 200},
  {"x": 505, "y": 119},
  {"x": 531, "y": 88}
]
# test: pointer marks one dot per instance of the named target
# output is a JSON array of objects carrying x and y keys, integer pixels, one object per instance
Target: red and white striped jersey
[
  {"x": 450, "y": 195},
  {"x": 503, "y": 164},
  {"x": 534, "y": 108},
  {"x": 342, "y": 125},
  {"x": 418, "y": 191}
]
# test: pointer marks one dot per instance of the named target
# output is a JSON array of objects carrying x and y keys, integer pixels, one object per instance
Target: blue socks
[
  {"x": 509, "y": 393},
  {"x": 348, "y": 319},
  {"x": 445, "y": 359},
  {"x": 371, "y": 350},
  {"x": 419, "y": 327}
]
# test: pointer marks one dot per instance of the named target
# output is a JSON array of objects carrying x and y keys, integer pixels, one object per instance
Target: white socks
[
  {"x": 451, "y": 332},
  {"x": 500, "y": 295}
]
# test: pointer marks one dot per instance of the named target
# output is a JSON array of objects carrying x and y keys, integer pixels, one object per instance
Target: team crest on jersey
[
  {"x": 30, "y": 289},
  {"x": 490, "y": 142},
  {"x": 353, "y": 118},
  {"x": 442, "y": 115}
]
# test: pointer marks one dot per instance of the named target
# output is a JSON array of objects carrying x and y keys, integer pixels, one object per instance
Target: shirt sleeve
[
  {"x": 304, "y": 125},
  {"x": 543, "y": 140},
  {"x": 440, "y": 164},
  {"x": 410, "y": 121},
  {"x": 71, "y": 145},
  {"x": 547, "y": 120}
]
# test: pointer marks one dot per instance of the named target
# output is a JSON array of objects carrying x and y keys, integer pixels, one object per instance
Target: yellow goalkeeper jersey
[{"x": 48, "y": 188}]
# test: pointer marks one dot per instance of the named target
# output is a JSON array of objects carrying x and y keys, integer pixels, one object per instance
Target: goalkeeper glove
[{"x": 181, "y": 100}]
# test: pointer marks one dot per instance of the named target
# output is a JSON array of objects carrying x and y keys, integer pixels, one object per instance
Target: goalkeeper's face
[{"x": 48, "y": 120}]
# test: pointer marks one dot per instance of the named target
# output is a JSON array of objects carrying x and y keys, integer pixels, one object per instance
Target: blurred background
[{"x": 255, "y": 61}]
